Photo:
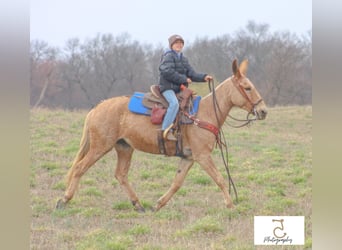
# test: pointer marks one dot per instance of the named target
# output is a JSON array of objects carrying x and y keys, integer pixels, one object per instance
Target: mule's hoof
[
  {"x": 156, "y": 208},
  {"x": 60, "y": 204},
  {"x": 137, "y": 206}
]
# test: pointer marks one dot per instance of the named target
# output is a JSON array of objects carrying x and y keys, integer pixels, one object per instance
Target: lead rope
[{"x": 221, "y": 140}]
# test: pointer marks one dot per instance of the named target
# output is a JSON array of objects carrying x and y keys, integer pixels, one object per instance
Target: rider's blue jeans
[{"x": 172, "y": 110}]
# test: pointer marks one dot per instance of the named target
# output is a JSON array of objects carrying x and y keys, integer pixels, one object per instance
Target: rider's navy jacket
[{"x": 174, "y": 69}]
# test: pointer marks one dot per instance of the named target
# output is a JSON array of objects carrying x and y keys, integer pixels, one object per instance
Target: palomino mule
[{"x": 111, "y": 125}]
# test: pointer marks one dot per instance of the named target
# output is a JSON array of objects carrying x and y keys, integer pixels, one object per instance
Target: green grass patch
[
  {"x": 88, "y": 181},
  {"x": 127, "y": 214},
  {"x": 92, "y": 191},
  {"x": 308, "y": 243},
  {"x": 145, "y": 175},
  {"x": 49, "y": 166},
  {"x": 153, "y": 185},
  {"x": 139, "y": 230},
  {"x": 33, "y": 180},
  {"x": 151, "y": 247},
  {"x": 102, "y": 239},
  {"x": 147, "y": 204},
  {"x": 278, "y": 205},
  {"x": 275, "y": 191},
  {"x": 182, "y": 192},
  {"x": 123, "y": 205},
  {"x": 169, "y": 215},
  {"x": 206, "y": 224},
  {"x": 59, "y": 186},
  {"x": 72, "y": 147},
  {"x": 92, "y": 212},
  {"x": 62, "y": 213},
  {"x": 39, "y": 208},
  {"x": 202, "y": 180},
  {"x": 299, "y": 179}
]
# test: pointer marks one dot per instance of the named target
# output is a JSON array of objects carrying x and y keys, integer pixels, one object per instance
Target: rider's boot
[{"x": 168, "y": 134}]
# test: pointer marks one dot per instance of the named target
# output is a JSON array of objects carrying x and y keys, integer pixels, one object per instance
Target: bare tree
[
  {"x": 152, "y": 63},
  {"x": 77, "y": 70},
  {"x": 211, "y": 56},
  {"x": 43, "y": 68},
  {"x": 106, "y": 66},
  {"x": 285, "y": 70}
]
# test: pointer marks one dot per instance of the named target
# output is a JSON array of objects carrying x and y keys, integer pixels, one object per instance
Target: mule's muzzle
[{"x": 261, "y": 114}]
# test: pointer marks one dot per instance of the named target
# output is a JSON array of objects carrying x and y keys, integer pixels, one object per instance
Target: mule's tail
[{"x": 83, "y": 150}]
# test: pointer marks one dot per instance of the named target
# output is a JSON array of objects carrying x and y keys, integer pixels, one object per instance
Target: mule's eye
[{"x": 248, "y": 89}]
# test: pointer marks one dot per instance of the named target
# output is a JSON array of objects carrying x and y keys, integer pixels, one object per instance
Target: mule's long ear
[
  {"x": 243, "y": 67},
  {"x": 236, "y": 70}
]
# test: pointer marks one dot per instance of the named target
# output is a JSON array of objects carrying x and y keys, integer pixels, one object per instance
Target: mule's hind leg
[
  {"x": 208, "y": 165},
  {"x": 124, "y": 154},
  {"x": 184, "y": 166},
  {"x": 79, "y": 167}
]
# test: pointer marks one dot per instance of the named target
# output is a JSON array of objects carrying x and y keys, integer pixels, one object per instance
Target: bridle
[{"x": 248, "y": 120}]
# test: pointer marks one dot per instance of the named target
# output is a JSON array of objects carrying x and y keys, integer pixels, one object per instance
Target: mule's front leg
[
  {"x": 208, "y": 165},
  {"x": 124, "y": 153},
  {"x": 184, "y": 166}
]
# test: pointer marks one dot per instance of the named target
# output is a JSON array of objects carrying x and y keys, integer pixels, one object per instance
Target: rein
[
  {"x": 220, "y": 135},
  {"x": 221, "y": 140},
  {"x": 246, "y": 121}
]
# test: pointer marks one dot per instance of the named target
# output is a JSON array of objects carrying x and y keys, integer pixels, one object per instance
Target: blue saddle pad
[
  {"x": 135, "y": 104},
  {"x": 195, "y": 103}
]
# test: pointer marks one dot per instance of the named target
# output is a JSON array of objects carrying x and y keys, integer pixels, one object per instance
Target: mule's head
[{"x": 245, "y": 95}]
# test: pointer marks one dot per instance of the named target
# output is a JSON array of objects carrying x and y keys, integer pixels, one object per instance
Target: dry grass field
[{"x": 270, "y": 162}]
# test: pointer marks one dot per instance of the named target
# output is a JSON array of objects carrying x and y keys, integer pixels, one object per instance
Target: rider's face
[{"x": 178, "y": 46}]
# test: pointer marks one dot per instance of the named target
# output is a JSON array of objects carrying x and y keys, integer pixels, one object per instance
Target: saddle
[
  {"x": 143, "y": 103},
  {"x": 185, "y": 98}
]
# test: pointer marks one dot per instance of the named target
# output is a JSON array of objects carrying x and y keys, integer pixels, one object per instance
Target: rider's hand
[
  {"x": 188, "y": 80},
  {"x": 208, "y": 78}
]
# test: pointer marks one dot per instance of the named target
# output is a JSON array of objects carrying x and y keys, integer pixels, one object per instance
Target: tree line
[{"x": 82, "y": 74}]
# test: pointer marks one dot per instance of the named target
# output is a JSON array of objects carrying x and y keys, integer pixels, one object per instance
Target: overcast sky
[{"x": 153, "y": 21}]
